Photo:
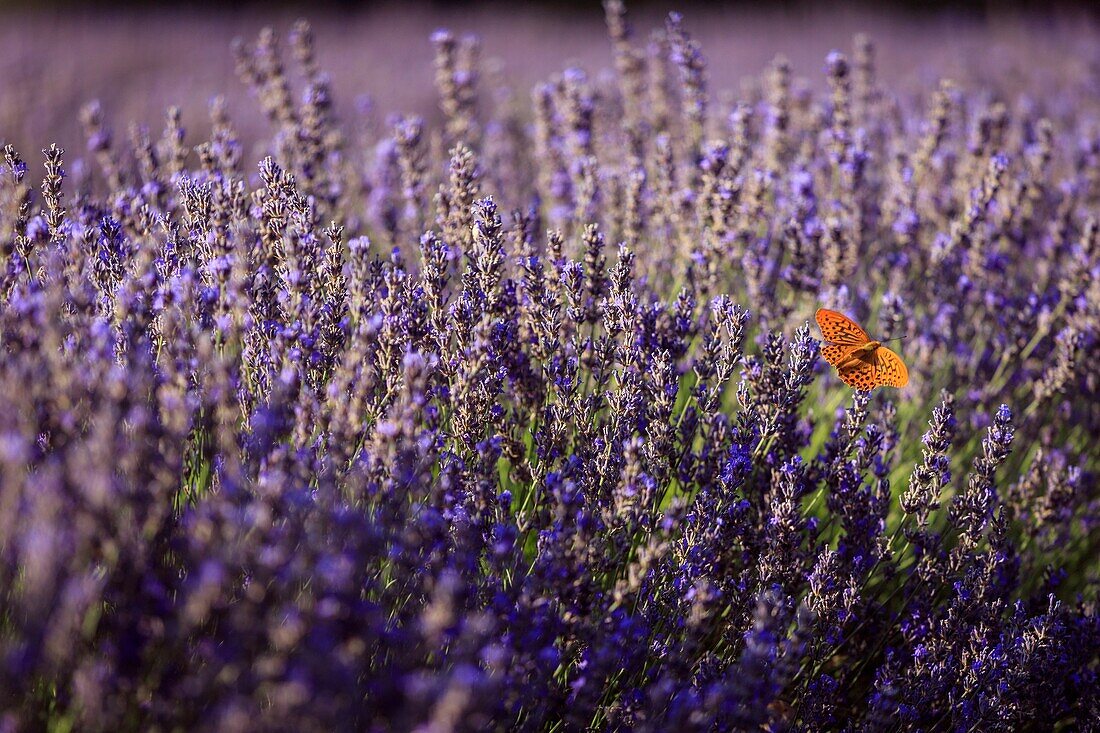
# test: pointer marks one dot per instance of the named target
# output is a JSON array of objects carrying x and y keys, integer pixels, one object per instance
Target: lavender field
[{"x": 426, "y": 371}]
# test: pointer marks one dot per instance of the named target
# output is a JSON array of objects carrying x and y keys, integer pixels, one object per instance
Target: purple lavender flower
[{"x": 446, "y": 411}]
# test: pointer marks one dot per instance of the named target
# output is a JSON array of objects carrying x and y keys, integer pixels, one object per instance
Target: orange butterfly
[{"x": 860, "y": 362}]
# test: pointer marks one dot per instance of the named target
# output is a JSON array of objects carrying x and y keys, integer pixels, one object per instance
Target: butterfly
[{"x": 860, "y": 361}]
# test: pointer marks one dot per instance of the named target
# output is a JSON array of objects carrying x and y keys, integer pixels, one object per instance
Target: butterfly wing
[
  {"x": 860, "y": 375},
  {"x": 837, "y": 328},
  {"x": 890, "y": 370},
  {"x": 836, "y": 353}
]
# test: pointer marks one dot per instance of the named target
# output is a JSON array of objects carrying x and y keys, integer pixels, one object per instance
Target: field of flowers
[{"x": 510, "y": 414}]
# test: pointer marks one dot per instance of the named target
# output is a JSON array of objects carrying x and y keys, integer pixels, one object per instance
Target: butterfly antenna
[{"x": 896, "y": 338}]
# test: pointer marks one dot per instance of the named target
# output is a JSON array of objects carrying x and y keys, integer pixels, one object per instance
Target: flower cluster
[{"x": 510, "y": 417}]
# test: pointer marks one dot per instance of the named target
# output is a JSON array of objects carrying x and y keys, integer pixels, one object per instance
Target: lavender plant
[{"x": 509, "y": 416}]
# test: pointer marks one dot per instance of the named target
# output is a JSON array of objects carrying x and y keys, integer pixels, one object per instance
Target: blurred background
[{"x": 137, "y": 58}]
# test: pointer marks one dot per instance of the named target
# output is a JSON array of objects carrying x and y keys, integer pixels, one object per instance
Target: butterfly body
[{"x": 861, "y": 362}]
